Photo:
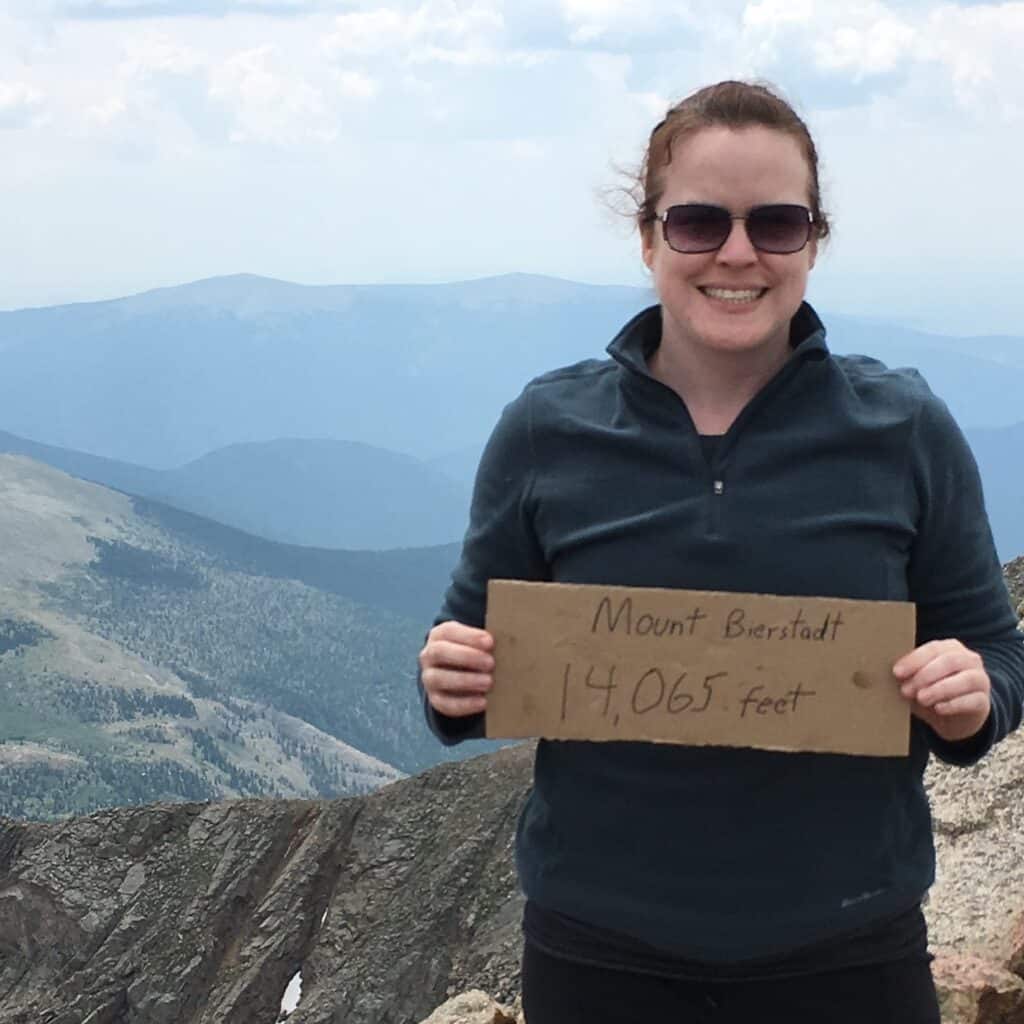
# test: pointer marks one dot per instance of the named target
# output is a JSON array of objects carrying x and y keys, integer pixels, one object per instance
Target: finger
[
  {"x": 458, "y": 706},
  {"x": 446, "y": 654},
  {"x": 946, "y": 664},
  {"x": 953, "y": 686},
  {"x": 965, "y": 704},
  {"x": 456, "y": 682},
  {"x": 460, "y": 633},
  {"x": 913, "y": 662}
]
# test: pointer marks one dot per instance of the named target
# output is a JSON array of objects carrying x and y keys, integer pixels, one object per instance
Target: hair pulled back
[{"x": 727, "y": 104}]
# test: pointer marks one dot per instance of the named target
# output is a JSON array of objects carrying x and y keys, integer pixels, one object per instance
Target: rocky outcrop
[
  {"x": 976, "y": 913},
  {"x": 1014, "y": 573},
  {"x": 201, "y": 913},
  {"x": 475, "y": 1007},
  {"x": 391, "y": 904},
  {"x": 976, "y": 907}
]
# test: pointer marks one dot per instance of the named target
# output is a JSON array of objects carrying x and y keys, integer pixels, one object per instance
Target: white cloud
[
  {"x": 971, "y": 53},
  {"x": 268, "y": 105},
  {"x": 591, "y": 19},
  {"x": 663, "y": 24},
  {"x": 20, "y": 104},
  {"x": 368, "y": 33},
  {"x": 981, "y": 49},
  {"x": 158, "y": 101},
  {"x": 134, "y": 9},
  {"x": 160, "y": 54},
  {"x": 769, "y": 14},
  {"x": 878, "y": 45},
  {"x": 443, "y": 30},
  {"x": 104, "y": 114},
  {"x": 356, "y": 85}
]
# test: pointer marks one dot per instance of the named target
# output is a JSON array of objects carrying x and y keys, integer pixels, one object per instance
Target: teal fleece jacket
[{"x": 841, "y": 478}]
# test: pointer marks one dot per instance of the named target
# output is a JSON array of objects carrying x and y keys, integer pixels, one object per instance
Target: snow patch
[{"x": 291, "y": 997}]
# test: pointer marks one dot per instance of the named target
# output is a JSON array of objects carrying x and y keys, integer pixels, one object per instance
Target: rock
[
  {"x": 474, "y": 1007},
  {"x": 976, "y": 991},
  {"x": 1014, "y": 574},
  {"x": 978, "y": 812},
  {"x": 202, "y": 913}
]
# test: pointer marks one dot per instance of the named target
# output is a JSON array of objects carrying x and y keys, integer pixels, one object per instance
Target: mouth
[{"x": 738, "y": 296}]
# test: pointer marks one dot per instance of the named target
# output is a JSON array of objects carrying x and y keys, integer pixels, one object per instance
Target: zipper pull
[{"x": 719, "y": 487}]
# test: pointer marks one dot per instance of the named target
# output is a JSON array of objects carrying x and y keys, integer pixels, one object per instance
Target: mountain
[
  {"x": 121, "y": 476},
  {"x": 147, "y": 653},
  {"x": 1000, "y": 455},
  {"x": 321, "y": 493},
  {"x": 163, "y": 378}
]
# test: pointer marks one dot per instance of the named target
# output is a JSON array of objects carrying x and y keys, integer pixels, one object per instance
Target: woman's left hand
[{"x": 947, "y": 686}]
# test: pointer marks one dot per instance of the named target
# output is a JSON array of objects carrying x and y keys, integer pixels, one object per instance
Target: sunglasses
[{"x": 700, "y": 227}]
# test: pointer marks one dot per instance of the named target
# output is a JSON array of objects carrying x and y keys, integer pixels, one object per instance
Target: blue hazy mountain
[
  {"x": 333, "y": 494},
  {"x": 320, "y": 492},
  {"x": 163, "y": 378},
  {"x": 1000, "y": 455}
]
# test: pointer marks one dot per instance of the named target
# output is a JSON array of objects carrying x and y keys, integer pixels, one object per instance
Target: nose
[{"x": 737, "y": 248}]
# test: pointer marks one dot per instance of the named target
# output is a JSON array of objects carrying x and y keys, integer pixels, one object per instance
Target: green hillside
[{"x": 147, "y": 654}]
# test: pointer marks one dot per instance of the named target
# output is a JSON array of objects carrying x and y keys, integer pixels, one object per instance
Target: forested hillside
[{"x": 143, "y": 661}]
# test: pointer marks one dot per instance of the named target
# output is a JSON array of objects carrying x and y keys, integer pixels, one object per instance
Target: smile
[{"x": 737, "y": 295}]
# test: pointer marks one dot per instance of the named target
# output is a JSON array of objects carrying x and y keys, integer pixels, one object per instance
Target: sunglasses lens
[
  {"x": 696, "y": 228},
  {"x": 780, "y": 229}
]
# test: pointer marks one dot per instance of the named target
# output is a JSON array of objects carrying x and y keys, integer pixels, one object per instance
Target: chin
[{"x": 745, "y": 338}]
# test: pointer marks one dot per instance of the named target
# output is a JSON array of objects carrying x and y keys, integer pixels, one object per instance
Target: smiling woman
[{"x": 723, "y": 447}]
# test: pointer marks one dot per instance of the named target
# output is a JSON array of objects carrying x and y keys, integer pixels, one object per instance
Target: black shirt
[{"x": 898, "y": 937}]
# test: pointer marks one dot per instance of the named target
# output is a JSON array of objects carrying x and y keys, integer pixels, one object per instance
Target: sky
[{"x": 153, "y": 142}]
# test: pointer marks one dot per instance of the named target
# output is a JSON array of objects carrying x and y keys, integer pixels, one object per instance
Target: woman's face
[{"x": 736, "y": 298}]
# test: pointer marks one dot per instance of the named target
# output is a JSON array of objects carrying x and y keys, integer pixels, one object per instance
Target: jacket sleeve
[
  {"x": 955, "y": 576},
  {"x": 500, "y": 542}
]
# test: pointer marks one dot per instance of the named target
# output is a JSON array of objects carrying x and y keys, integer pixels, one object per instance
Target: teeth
[{"x": 730, "y": 295}]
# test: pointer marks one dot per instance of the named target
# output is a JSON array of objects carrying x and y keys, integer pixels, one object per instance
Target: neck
[{"x": 714, "y": 385}]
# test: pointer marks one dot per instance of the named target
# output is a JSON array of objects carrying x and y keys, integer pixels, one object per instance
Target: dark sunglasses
[{"x": 700, "y": 227}]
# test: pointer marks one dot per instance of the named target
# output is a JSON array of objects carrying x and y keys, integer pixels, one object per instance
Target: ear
[
  {"x": 812, "y": 247},
  {"x": 647, "y": 245}
]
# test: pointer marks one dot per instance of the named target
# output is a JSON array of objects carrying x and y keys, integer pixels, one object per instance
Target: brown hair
[{"x": 730, "y": 105}]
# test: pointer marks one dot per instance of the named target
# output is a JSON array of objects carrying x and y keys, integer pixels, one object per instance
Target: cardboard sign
[{"x": 697, "y": 667}]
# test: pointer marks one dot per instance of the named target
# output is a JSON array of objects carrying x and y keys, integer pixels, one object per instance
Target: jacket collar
[{"x": 635, "y": 343}]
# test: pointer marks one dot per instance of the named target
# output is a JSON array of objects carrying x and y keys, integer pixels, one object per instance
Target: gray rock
[{"x": 203, "y": 912}]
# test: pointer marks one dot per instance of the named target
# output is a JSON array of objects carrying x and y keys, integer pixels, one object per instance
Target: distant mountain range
[
  {"x": 163, "y": 378},
  {"x": 205, "y": 396},
  {"x": 333, "y": 494},
  {"x": 1000, "y": 455},
  {"x": 147, "y": 653}
]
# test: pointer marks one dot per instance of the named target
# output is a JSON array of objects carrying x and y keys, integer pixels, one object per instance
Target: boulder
[{"x": 474, "y": 1007}]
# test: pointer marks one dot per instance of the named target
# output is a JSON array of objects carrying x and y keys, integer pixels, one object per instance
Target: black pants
[{"x": 557, "y": 991}]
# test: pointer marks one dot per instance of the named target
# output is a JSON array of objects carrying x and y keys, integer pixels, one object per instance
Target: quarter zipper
[
  {"x": 717, "y": 496},
  {"x": 729, "y": 439}
]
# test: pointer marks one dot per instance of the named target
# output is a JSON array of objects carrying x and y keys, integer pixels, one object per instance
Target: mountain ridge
[
  {"x": 141, "y": 658},
  {"x": 421, "y": 369}
]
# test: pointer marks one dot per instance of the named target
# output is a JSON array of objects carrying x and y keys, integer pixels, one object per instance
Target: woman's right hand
[{"x": 455, "y": 668}]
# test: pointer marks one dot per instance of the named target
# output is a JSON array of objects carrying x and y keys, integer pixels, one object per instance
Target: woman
[{"x": 722, "y": 447}]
